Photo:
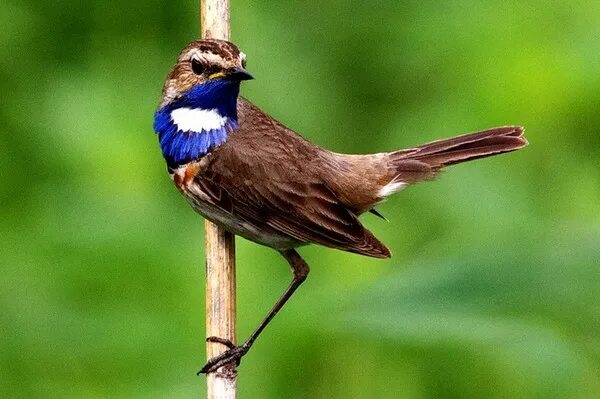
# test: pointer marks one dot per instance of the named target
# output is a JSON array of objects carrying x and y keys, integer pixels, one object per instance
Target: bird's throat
[{"x": 194, "y": 124}]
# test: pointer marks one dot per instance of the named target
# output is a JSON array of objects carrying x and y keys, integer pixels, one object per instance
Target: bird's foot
[
  {"x": 223, "y": 341},
  {"x": 233, "y": 354}
]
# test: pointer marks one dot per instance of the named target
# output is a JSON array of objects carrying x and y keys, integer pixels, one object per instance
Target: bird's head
[
  {"x": 205, "y": 64},
  {"x": 198, "y": 106}
]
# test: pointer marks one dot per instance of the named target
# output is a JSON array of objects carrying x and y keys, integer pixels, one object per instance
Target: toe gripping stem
[{"x": 234, "y": 353}]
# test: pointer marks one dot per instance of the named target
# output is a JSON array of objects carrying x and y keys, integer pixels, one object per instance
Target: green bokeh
[{"x": 494, "y": 288}]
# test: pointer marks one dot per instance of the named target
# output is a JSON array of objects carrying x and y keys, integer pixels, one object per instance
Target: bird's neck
[{"x": 194, "y": 124}]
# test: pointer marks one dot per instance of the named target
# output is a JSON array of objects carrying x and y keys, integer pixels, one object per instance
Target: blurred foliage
[{"x": 493, "y": 289}]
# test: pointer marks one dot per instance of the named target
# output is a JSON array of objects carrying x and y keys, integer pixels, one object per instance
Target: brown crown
[{"x": 222, "y": 48}]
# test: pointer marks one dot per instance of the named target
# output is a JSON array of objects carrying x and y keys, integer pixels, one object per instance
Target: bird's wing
[{"x": 273, "y": 189}]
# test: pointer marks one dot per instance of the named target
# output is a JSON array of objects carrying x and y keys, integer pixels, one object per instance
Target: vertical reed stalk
[{"x": 220, "y": 248}]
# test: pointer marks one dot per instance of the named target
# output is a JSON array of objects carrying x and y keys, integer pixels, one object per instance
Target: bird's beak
[{"x": 239, "y": 74}]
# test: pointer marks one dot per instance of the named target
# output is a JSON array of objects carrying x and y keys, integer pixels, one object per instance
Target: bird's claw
[
  {"x": 233, "y": 354},
  {"x": 223, "y": 341}
]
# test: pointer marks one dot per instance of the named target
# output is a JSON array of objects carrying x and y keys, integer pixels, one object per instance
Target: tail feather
[{"x": 424, "y": 161}]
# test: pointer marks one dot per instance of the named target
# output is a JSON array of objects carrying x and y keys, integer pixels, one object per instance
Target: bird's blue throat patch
[{"x": 192, "y": 125}]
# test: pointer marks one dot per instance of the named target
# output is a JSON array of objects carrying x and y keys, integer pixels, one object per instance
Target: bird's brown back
[{"x": 271, "y": 177}]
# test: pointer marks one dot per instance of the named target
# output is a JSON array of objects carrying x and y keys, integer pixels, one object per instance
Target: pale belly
[{"x": 236, "y": 225}]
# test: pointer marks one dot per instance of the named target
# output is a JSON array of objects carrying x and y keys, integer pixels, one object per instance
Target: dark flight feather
[{"x": 422, "y": 162}]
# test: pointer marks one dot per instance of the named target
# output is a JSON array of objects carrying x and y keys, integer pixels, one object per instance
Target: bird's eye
[
  {"x": 197, "y": 67},
  {"x": 244, "y": 63}
]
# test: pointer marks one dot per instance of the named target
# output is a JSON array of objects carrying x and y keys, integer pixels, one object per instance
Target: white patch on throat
[
  {"x": 197, "y": 120},
  {"x": 391, "y": 188}
]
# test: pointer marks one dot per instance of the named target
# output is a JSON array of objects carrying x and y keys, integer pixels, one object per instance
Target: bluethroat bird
[{"x": 248, "y": 173}]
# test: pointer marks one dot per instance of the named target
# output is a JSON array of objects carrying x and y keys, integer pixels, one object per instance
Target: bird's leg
[{"x": 234, "y": 354}]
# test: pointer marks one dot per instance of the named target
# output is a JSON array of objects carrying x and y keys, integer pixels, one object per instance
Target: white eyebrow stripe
[
  {"x": 203, "y": 56},
  {"x": 197, "y": 120}
]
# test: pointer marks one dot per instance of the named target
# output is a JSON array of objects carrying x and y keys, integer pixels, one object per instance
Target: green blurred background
[{"x": 493, "y": 291}]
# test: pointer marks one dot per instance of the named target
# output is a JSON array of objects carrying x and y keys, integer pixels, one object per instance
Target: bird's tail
[{"x": 423, "y": 162}]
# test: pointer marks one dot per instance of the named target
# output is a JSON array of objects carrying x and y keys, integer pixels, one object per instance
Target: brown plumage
[
  {"x": 268, "y": 184},
  {"x": 297, "y": 193}
]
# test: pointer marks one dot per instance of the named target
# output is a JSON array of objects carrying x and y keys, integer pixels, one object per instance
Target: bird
[{"x": 250, "y": 174}]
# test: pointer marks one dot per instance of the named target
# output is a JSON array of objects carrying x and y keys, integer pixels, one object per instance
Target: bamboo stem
[{"x": 220, "y": 248}]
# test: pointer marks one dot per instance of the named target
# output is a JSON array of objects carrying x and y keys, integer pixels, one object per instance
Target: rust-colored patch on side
[
  {"x": 190, "y": 173},
  {"x": 183, "y": 177}
]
